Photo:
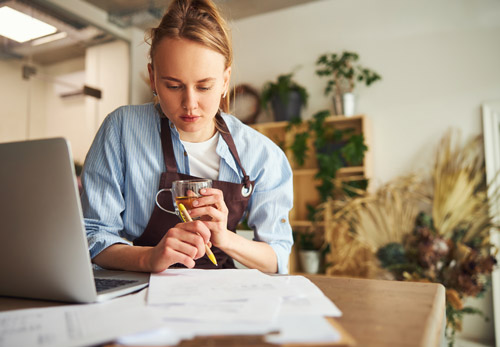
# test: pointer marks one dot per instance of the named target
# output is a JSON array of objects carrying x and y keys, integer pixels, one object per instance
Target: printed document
[{"x": 192, "y": 302}]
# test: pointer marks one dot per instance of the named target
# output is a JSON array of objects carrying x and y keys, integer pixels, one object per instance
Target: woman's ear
[
  {"x": 151, "y": 77},
  {"x": 227, "y": 79}
]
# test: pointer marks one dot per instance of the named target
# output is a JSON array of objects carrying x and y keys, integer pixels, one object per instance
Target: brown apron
[{"x": 236, "y": 197}]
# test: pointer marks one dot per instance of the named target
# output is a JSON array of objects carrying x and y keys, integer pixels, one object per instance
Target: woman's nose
[{"x": 189, "y": 101}]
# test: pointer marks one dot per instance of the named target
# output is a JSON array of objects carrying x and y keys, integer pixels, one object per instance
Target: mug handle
[{"x": 158, "y": 204}]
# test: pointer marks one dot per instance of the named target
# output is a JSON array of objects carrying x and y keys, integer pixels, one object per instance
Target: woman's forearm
[
  {"x": 124, "y": 257},
  {"x": 252, "y": 254}
]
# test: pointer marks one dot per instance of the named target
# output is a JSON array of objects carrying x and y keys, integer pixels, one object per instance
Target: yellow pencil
[{"x": 187, "y": 218}]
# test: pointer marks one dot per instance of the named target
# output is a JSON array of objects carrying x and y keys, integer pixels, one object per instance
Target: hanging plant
[{"x": 334, "y": 149}]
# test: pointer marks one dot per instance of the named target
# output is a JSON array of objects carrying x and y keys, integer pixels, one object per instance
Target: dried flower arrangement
[{"x": 430, "y": 228}]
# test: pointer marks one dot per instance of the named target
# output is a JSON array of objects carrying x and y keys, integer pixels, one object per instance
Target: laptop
[{"x": 43, "y": 245}]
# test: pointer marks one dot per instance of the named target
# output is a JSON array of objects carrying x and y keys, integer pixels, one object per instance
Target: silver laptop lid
[{"x": 44, "y": 251}]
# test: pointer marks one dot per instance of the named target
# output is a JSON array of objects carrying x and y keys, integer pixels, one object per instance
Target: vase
[
  {"x": 348, "y": 104},
  {"x": 310, "y": 261},
  {"x": 344, "y": 104},
  {"x": 286, "y": 111}
]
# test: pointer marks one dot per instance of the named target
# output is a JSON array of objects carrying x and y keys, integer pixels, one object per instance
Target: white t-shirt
[{"x": 203, "y": 159}]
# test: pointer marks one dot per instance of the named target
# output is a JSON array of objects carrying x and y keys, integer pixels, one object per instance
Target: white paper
[
  {"x": 188, "y": 329},
  {"x": 305, "y": 329},
  {"x": 311, "y": 300},
  {"x": 225, "y": 311},
  {"x": 158, "y": 337},
  {"x": 188, "y": 285},
  {"x": 289, "y": 309},
  {"x": 76, "y": 325}
]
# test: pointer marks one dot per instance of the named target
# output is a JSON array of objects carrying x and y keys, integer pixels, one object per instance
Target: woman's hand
[
  {"x": 213, "y": 211},
  {"x": 183, "y": 244}
]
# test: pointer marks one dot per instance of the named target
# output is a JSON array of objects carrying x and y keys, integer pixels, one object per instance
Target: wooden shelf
[
  {"x": 343, "y": 171},
  {"x": 304, "y": 181}
]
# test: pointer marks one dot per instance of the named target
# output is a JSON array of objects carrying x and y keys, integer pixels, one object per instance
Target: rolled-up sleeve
[{"x": 271, "y": 203}]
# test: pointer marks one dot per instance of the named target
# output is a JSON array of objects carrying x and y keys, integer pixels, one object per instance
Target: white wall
[
  {"x": 107, "y": 67},
  {"x": 22, "y": 103},
  {"x": 35, "y": 109},
  {"x": 65, "y": 116},
  {"x": 139, "y": 50},
  {"x": 439, "y": 61}
]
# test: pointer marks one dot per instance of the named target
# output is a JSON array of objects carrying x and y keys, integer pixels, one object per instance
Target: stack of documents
[
  {"x": 183, "y": 304},
  {"x": 76, "y": 325},
  {"x": 191, "y": 302}
]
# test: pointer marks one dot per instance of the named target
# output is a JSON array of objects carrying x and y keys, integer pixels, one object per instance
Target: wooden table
[
  {"x": 375, "y": 312},
  {"x": 387, "y": 313}
]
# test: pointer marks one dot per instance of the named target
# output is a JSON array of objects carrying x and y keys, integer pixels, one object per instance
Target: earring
[
  {"x": 154, "y": 93},
  {"x": 225, "y": 93}
]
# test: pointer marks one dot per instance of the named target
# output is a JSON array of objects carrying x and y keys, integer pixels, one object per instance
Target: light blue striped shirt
[{"x": 122, "y": 172}]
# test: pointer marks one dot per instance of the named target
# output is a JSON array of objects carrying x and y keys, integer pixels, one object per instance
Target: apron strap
[
  {"x": 166, "y": 143},
  {"x": 226, "y": 135}
]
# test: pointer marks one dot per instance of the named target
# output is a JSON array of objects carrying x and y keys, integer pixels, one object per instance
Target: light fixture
[
  {"x": 20, "y": 27},
  {"x": 50, "y": 38}
]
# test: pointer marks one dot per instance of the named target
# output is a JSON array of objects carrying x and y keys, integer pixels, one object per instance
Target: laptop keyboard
[{"x": 102, "y": 284}]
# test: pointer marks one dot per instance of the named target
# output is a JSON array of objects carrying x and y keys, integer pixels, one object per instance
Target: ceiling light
[
  {"x": 49, "y": 38},
  {"x": 20, "y": 27}
]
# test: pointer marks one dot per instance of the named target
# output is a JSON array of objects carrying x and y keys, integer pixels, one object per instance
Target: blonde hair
[{"x": 198, "y": 21}]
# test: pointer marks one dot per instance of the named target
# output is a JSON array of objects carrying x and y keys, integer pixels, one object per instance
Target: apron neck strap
[
  {"x": 226, "y": 135},
  {"x": 166, "y": 143}
]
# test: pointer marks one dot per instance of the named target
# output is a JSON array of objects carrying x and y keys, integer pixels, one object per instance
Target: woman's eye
[
  {"x": 204, "y": 89},
  {"x": 174, "y": 87}
]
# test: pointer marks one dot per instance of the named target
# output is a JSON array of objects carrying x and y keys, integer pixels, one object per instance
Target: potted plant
[
  {"x": 343, "y": 74},
  {"x": 334, "y": 149},
  {"x": 286, "y": 97},
  {"x": 309, "y": 251}
]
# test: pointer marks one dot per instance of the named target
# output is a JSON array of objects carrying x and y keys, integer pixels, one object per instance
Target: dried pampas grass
[
  {"x": 460, "y": 201},
  {"x": 454, "y": 191},
  {"x": 355, "y": 228}
]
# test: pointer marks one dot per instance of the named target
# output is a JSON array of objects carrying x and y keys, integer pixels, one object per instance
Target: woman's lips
[{"x": 189, "y": 118}]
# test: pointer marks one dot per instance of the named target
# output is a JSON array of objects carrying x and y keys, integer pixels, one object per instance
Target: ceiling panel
[
  {"x": 142, "y": 14},
  {"x": 233, "y": 9}
]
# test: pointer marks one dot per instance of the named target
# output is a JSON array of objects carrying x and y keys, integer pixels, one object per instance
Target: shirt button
[
  {"x": 185, "y": 153},
  {"x": 283, "y": 220}
]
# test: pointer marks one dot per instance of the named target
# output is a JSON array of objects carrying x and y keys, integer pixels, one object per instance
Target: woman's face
[{"x": 190, "y": 80}]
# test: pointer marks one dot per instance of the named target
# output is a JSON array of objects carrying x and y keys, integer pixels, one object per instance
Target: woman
[{"x": 141, "y": 149}]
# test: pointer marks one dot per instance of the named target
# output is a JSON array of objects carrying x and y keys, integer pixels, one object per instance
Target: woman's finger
[
  {"x": 182, "y": 247},
  {"x": 211, "y": 196},
  {"x": 195, "y": 227},
  {"x": 210, "y": 211},
  {"x": 194, "y": 234}
]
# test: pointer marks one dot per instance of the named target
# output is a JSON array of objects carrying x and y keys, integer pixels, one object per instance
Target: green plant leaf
[
  {"x": 299, "y": 148},
  {"x": 354, "y": 151},
  {"x": 341, "y": 72}
]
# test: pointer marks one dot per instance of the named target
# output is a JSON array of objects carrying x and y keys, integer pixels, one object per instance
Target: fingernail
[
  {"x": 195, "y": 203},
  {"x": 203, "y": 191}
]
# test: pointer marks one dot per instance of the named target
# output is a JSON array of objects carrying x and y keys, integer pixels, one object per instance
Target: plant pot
[
  {"x": 310, "y": 261},
  {"x": 331, "y": 147},
  {"x": 344, "y": 105},
  {"x": 349, "y": 104},
  {"x": 289, "y": 110}
]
